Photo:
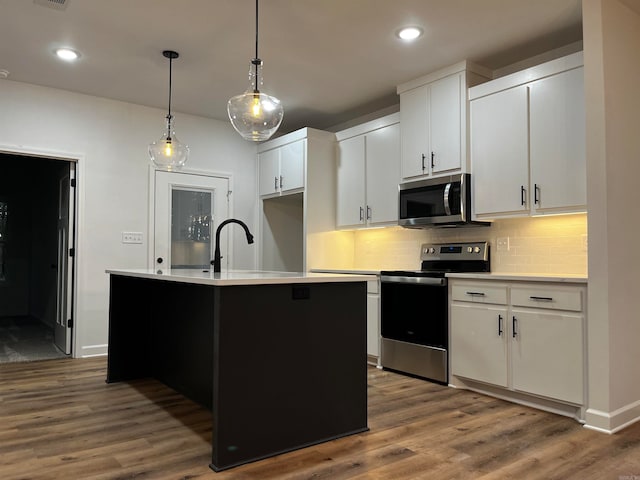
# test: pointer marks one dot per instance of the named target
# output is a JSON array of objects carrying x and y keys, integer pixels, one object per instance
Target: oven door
[
  {"x": 414, "y": 326},
  {"x": 414, "y": 310}
]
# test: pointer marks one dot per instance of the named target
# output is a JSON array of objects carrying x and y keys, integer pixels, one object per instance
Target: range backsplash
[{"x": 551, "y": 244}]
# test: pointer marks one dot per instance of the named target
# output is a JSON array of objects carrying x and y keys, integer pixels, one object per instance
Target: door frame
[
  {"x": 75, "y": 233},
  {"x": 151, "y": 227}
]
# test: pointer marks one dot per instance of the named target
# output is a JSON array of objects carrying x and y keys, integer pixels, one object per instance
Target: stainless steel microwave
[{"x": 436, "y": 202}]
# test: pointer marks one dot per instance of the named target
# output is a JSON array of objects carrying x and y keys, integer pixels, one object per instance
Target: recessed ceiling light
[
  {"x": 67, "y": 54},
  {"x": 409, "y": 33}
]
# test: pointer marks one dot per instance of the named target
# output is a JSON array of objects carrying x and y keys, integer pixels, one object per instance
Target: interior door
[
  {"x": 188, "y": 208},
  {"x": 64, "y": 281}
]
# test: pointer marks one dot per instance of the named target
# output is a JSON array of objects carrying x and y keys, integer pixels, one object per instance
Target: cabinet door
[
  {"x": 382, "y": 174},
  {"x": 547, "y": 354},
  {"x": 500, "y": 152},
  {"x": 351, "y": 182},
  {"x": 268, "y": 164},
  {"x": 373, "y": 324},
  {"x": 446, "y": 124},
  {"x": 558, "y": 162},
  {"x": 478, "y": 343},
  {"x": 292, "y": 165},
  {"x": 414, "y": 118}
]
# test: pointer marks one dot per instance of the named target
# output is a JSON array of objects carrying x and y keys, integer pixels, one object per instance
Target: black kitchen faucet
[{"x": 216, "y": 253}]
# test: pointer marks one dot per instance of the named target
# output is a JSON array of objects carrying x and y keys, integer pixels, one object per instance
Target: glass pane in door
[{"x": 191, "y": 221}]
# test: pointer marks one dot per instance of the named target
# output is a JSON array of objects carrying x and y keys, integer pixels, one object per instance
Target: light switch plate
[{"x": 131, "y": 237}]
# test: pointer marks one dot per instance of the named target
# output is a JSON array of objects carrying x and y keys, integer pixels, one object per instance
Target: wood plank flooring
[{"x": 60, "y": 420}]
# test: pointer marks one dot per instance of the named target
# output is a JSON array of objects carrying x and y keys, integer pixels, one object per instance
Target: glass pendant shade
[
  {"x": 255, "y": 115},
  {"x": 169, "y": 153}
]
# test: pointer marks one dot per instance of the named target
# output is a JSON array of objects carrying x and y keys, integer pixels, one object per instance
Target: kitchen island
[{"x": 279, "y": 358}]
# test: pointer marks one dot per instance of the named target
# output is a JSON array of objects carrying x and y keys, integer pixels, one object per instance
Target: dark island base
[{"x": 281, "y": 366}]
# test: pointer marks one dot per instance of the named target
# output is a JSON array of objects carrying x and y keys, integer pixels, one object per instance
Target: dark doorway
[{"x": 29, "y": 270}]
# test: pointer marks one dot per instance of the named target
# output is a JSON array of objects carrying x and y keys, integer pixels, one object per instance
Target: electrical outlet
[
  {"x": 131, "y": 237},
  {"x": 503, "y": 244}
]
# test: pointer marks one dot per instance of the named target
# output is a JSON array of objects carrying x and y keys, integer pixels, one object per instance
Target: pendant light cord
[
  {"x": 169, "y": 117},
  {"x": 256, "y": 61},
  {"x": 170, "y": 70},
  {"x": 257, "y": 58}
]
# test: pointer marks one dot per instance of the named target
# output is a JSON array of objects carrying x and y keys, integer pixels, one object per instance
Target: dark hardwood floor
[{"x": 60, "y": 420}]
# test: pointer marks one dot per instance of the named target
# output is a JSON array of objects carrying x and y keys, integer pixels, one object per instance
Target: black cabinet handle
[
  {"x": 513, "y": 326},
  {"x": 361, "y": 214},
  {"x": 280, "y": 182},
  {"x": 546, "y": 299},
  {"x": 522, "y": 195},
  {"x": 275, "y": 183},
  {"x": 480, "y": 294},
  {"x": 159, "y": 260},
  {"x": 423, "y": 157},
  {"x": 499, "y": 325},
  {"x": 536, "y": 189},
  {"x": 433, "y": 163},
  {"x": 368, "y": 212}
]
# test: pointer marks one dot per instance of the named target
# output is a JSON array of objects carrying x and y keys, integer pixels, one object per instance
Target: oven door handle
[{"x": 419, "y": 280}]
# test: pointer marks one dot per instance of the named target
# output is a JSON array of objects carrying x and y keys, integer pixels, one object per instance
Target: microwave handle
[{"x": 447, "y": 207}]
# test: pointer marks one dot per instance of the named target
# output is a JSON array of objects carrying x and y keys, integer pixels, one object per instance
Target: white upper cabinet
[
  {"x": 446, "y": 124},
  {"x": 368, "y": 173},
  {"x": 557, "y": 132},
  {"x": 528, "y": 141},
  {"x": 415, "y": 125},
  {"x": 351, "y": 166},
  {"x": 281, "y": 169},
  {"x": 499, "y": 150},
  {"x": 434, "y": 119}
]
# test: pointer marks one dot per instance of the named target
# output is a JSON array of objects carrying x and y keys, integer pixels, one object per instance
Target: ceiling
[{"x": 328, "y": 61}]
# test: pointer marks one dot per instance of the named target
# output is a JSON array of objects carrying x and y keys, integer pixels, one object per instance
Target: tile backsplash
[{"x": 551, "y": 245}]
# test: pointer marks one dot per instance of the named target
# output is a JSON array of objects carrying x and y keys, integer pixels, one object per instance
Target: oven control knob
[
  {"x": 431, "y": 250},
  {"x": 476, "y": 249},
  {"x": 469, "y": 249}
]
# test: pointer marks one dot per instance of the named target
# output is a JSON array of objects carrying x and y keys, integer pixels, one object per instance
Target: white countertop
[
  {"x": 528, "y": 277},
  {"x": 237, "y": 277},
  {"x": 345, "y": 271}
]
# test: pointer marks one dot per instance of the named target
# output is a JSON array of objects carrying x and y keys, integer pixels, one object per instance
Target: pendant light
[
  {"x": 255, "y": 115},
  {"x": 169, "y": 153}
]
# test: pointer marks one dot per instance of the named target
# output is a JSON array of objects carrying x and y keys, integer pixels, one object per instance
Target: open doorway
[{"x": 36, "y": 225}]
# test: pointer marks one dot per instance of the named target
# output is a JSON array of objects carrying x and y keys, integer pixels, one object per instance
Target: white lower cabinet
[
  {"x": 546, "y": 354},
  {"x": 480, "y": 347},
  {"x": 525, "y": 338},
  {"x": 373, "y": 321}
]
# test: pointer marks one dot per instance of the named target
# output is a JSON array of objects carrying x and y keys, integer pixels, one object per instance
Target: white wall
[
  {"x": 110, "y": 140},
  {"x": 612, "y": 69}
]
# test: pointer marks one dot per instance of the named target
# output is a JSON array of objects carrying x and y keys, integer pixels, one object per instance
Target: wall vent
[{"x": 55, "y": 4}]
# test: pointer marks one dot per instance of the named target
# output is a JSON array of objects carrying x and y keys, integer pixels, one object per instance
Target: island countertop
[{"x": 237, "y": 277}]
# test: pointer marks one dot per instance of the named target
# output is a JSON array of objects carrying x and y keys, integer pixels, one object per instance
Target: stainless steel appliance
[
  {"x": 436, "y": 202},
  {"x": 414, "y": 309}
]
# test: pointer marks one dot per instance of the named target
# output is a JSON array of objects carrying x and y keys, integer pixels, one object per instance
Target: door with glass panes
[{"x": 188, "y": 209}]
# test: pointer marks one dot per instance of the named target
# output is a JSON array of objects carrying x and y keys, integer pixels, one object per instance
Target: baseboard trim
[
  {"x": 612, "y": 422},
  {"x": 541, "y": 403},
  {"x": 92, "y": 351}
]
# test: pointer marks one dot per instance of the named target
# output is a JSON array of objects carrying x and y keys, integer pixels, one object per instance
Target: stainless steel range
[{"x": 414, "y": 309}]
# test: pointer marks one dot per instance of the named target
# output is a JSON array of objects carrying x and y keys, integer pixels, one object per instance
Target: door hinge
[
  {"x": 73, "y": 182},
  {"x": 72, "y": 252},
  {"x": 70, "y": 323}
]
